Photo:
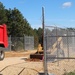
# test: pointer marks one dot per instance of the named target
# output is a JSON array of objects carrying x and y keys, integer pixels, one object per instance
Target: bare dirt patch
[
  {"x": 19, "y": 53},
  {"x": 32, "y": 66}
]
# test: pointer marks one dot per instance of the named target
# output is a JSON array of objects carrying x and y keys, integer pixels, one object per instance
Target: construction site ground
[{"x": 18, "y": 63}]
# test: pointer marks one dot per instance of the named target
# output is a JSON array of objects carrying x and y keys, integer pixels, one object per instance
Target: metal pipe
[
  {"x": 67, "y": 45},
  {"x": 44, "y": 48}
]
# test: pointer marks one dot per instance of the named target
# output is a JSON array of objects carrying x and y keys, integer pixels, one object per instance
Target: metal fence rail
[{"x": 59, "y": 44}]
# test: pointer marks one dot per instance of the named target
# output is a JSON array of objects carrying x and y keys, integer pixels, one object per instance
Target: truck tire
[{"x": 2, "y": 55}]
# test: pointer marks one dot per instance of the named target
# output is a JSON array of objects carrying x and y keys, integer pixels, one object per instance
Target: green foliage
[
  {"x": 70, "y": 73},
  {"x": 39, "y": 35},
  {"x": 18, "y": 43},
  {"x": 17, "y": 25},
  {"x": 71, "y": 28},
  {"x": 36, "y": 40},
  {"x": 3, "y": 18}
]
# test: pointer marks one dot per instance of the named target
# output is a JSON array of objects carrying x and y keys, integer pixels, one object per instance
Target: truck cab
[{"x": 3, "y": 40}]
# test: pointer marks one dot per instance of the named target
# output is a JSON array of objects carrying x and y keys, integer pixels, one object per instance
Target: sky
[{"x": 59, "y": 13}]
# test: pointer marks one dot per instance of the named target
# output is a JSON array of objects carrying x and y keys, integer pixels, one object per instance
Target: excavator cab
[{"x": 3, "y": 40}]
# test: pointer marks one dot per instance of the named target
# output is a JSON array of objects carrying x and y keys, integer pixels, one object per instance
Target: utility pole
[{"x": 44, "y": 48}]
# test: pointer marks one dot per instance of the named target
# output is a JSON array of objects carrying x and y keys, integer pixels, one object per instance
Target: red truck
[{"x": 3, "y": 40}]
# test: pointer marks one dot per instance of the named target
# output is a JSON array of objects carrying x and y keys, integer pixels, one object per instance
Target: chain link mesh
[
  {"x": 60, "y": 49},
  {"x": 20, "y": 43}
]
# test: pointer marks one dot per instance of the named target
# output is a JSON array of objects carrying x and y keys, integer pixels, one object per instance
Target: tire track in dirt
[{"x": 16, "y": 70}]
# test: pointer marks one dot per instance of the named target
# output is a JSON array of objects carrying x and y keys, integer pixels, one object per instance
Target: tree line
[{"x": 17, "y": 24}]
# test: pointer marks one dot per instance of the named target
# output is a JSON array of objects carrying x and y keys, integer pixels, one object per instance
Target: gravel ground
[
  {"x": 18, "y": 66},
  {"x": 21, "y": 66},
  {"x": 10, "y": 61}
]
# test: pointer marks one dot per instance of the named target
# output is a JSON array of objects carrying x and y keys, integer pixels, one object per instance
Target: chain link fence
[
  {"x": 59, "y": 44},
  {"x": 29, "y": 42},
  {"x": 20, "y": 43}
]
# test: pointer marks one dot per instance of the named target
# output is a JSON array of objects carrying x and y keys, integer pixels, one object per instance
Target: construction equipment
[
  {"x": 3, "y": 40},
  {"x": 38, "y": 54},
  {"x": 58, "y": 45},
  {"x": 39, "y": 49}
]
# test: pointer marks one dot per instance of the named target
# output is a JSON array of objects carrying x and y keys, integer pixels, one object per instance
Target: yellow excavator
[{"x": 57, "y": 45}]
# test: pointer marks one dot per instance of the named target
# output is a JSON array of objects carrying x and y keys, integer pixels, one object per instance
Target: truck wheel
[{"x": 2, "y": 55}]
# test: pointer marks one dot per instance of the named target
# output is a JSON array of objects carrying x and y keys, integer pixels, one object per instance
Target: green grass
[{"x": 70, "y": 73}]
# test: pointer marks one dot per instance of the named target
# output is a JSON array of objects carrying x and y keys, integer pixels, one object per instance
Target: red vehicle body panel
[{"x": 3, "y": 36}]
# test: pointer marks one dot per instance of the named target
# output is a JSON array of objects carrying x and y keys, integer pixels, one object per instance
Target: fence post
[
  {"x": 67, "y": 44},
  {"x": 10, "y": 42},
  {"x": 24, "y": 42},
  {"x": 33, "y": 42}
]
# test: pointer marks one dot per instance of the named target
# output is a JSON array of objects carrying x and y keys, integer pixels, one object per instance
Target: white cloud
[{"x": 67, "y": 4}]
